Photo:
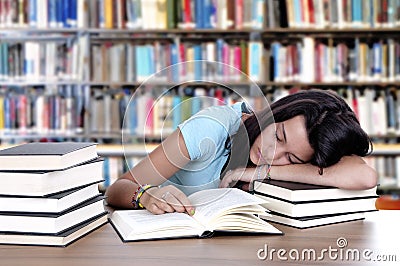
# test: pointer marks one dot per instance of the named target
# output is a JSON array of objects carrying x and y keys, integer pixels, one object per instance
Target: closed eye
[
  {"x": 277, "y": 137},
  {"x": 298, "y": 160}
]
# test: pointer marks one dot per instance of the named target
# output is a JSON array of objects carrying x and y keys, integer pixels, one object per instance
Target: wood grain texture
[{"x": 104, "y": 247}]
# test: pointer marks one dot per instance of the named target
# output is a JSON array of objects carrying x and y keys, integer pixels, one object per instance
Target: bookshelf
[{"x": 71, "y": 60}]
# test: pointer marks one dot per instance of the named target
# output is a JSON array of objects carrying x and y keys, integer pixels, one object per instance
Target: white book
[
  {"x": 46, "y": 155},
  {"x": 364, "y": 103},
  {"x": 319, "y": 14},
  {"x": 161, "y": 14},
  {"x": 379, "y": 117},
  {"x": 82, "y": 58},
  {"x": 226, "y": 209},
  {"x": 42, "y": 13},
  {"x": 52, "y": 223},
  {"x": 41, "y": 127},
  {"x": 130, "y": 63},
  {"x": 340, "y": 16},
  {"x": 43, "y": 183},
  {"x": 308, "y": 60},
  {"x": 59, "y": 240},
  {"x": 391, "y": 60},
  {"x": 149, "y": 7},
  {"x": 51, "y": 56},
  {"x": 54, "y": 203},
  {"x": 308, "y": 222},
  {"x": 69, "y": 116},
  {"x": 306, "y": 209},
  {"x": 29, "y": 51},
  {"x": 107, "y": 113},
  {"x": 74, "y": 62},
  {"x": 82, "y": 13}
]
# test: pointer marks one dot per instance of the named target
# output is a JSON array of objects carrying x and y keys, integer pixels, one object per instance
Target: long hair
[{"x": 332, "y": 128}]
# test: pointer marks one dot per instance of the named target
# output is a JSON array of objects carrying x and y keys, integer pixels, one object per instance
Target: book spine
[
  {"x": 108, "y": 14},
  {"x": 52, "y": 14},
  {"x": 2, "y": 114},
  {"x": 32, "y": 13},
  {"x": 72, "y": 13}
]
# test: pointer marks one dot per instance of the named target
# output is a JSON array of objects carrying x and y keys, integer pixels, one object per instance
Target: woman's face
[{"x": 282, "y": 143}]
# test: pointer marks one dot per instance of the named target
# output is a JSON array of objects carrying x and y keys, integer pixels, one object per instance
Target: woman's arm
[
  {"x": 170, "y": 156},
  {"x": 351, "y": 172}
]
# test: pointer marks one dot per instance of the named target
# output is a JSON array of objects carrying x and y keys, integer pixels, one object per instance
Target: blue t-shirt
[{"x": 205, "y": 135}]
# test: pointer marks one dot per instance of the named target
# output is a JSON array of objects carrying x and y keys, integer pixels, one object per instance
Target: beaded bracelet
[
  {"x": 269, "y": 171},
  {"x": 140, "y": 194},
  {"x": 259, "y": 172},
  {"x": 134, "y": 203}
]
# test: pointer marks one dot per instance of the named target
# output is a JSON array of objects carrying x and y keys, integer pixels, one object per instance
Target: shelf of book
[
  {"x": 349, "y": 46},
  {"x": 144, "y": 148}
]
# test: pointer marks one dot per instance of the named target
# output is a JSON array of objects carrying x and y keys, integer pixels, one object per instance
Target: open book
[{"x": 223, "y": 209}]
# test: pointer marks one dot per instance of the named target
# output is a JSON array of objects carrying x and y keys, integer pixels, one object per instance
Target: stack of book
[
  {"x": 304, "y": 205},
  {"x": 49, "y": 193}
]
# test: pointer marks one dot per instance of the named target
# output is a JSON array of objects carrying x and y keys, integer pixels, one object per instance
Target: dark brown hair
[{"x": 332, "y": 128}]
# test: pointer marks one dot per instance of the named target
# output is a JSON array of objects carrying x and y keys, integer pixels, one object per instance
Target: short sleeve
[{"x": 205, "y": 133}]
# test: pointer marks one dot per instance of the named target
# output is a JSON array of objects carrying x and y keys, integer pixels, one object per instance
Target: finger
[
  {"x": 173, "y": 202},
  {"x": 184, "y": 201},
  {"x": 225, "y": 181},
  {"x": 153, "y": 208},
  {"x": 222, "y": 184},
  {"x": 163, "y": 205}
]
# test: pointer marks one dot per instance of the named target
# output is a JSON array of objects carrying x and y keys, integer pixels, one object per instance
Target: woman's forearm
[
  {"x": 350, "y": 173},
  {"x": 121, "y": 192}
]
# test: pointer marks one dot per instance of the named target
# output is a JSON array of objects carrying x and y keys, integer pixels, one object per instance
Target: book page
[
  {"x": 212, "y": 203},
  {"x": 242, "y": 222},
  {"x": 141, "y": 224}
]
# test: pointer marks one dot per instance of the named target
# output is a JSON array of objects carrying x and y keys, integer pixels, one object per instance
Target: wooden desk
[{"x": 380, "y": 233}]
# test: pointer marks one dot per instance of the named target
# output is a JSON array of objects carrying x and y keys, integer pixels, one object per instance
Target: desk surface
[{"x": 376, "y": 235}]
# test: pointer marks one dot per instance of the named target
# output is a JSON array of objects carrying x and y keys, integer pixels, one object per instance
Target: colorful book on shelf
[
  {"x": 230, "y": 210},
  {"x": 305, "y": 200},
  {"x": 46, "y": 155},
  {"x": 62, "y": 239}
]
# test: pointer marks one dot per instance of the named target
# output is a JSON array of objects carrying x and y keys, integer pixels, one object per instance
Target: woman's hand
[
  {"x": 243, "y": 176},
  {"x": 166, "y": 199}
]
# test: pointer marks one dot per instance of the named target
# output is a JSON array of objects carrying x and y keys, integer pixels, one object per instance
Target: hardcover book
[
  {"x": 46, "y": 155},
  {"x": 44, "y": 183},
  {"x": 46, "y": 223},
  {"x": 62, "y": 239},
  {"x": 228, "y": 210},
  {"x": 299, "y": 192},
  {"x": 296, "y": 200},
  {"x": 55, "y": 203},
  {"x": 313, "y": 221}
]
